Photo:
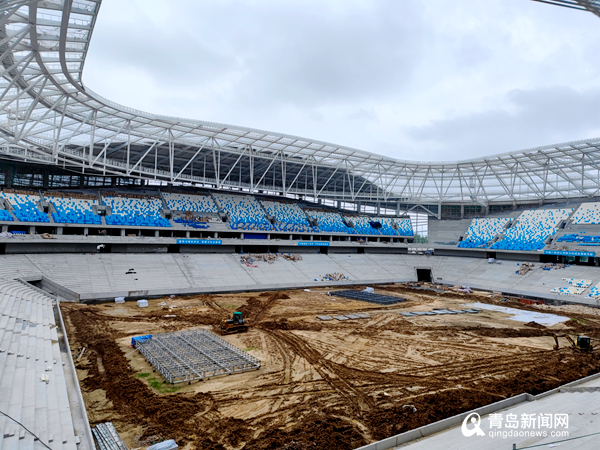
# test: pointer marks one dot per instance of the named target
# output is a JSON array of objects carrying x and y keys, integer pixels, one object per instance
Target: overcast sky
[{"x": 413, "y": 79}]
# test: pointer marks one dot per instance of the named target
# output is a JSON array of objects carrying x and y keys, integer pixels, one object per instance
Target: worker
[{"x": 100, "y": 248}]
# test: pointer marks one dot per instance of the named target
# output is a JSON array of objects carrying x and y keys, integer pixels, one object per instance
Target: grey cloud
[
  {"x": 530, "y": 118},
  {"x": 363, "y": 114},
  {"x": 442, "y": 80}
]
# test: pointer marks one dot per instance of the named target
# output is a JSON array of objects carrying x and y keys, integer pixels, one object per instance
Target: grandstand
[
  {"x": 532, "y": 229},
  {"x": 99, "y": 201},
  {"x": 587, "y": 213},
  {"x": 244, "y": 212},
  {"x": 482, "y": 231},
  {"x": 331, "y": 222},
  {"x": 289, "y": 217},
  {"x": 363, "y": 225},
  {"x": 190, "y": 203},
  {"x": 25, "y": 207},
  {"x": 74, "y": 210},
  {"x": 137, "y": 212}
]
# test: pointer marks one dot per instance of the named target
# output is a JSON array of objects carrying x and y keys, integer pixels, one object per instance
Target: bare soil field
[{"x": 335, "y": 385}]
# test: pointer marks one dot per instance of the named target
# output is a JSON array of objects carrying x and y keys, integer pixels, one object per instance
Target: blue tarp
[{"x": 140, "y": 339}]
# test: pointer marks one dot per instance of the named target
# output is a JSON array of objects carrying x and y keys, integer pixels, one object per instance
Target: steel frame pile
[
  {"x": 195, "y": 355},
  {"x": 367, "y": 297},
  {"x": 107, "y": 437}
]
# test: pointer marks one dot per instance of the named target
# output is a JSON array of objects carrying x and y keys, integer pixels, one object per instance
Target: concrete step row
[{"x": 32, "y": 380}]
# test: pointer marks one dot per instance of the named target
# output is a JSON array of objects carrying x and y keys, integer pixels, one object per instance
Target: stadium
[{"x": 168, "y": 282}]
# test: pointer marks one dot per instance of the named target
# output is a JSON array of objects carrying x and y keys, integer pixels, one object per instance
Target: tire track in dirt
[{"x": 358, "y": 400}]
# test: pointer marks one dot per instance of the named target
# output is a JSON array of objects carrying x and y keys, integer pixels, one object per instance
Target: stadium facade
[{"x": 49, "y": 117}]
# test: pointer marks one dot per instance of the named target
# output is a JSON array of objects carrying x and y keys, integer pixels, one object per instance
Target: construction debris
[
  {"x": 80, "y": 353},
  {"x": 524, "y": 268},
  {"x": 336, "y": 276},
  {"x": 249, "y": 261},
  {"x": 550, "y": 266},
  {"x": 47, "y": 236},
  {"x": 107, "y": 437},
  {"x": 266, "y": 257},
  {"x": 269, "y": 258}
]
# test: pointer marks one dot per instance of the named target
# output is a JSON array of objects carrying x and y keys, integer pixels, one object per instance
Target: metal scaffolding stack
[
  {"x": 107, "y": 437},
  {"x": 195, "y": 355},
  {"x": 368, "y": 297}
]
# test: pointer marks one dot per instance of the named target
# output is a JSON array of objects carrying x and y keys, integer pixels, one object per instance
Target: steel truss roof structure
[{"x": 48, "y": 116}]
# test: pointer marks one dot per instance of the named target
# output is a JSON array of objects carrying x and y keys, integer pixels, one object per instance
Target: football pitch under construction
[{"x": 321, "y": 384}]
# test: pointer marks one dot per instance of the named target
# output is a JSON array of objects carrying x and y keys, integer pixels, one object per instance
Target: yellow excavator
[
  {"x": 583, "y": 344},
  {"x": 236, "y": 324}
]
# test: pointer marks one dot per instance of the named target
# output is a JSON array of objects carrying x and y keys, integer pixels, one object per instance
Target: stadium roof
[{"x": 48, "y": 116}]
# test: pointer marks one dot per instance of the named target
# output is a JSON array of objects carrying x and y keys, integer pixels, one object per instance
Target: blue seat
[
  {"x": 331, "y": 222},
  {"x": 5, "y": 216},
  {"x": 135, "y": 212},
  {"x": 74, "y": 210},
  {"x": 481, "y": 231},
  {"x": 533, "y": 228},
  {"x": 25, "y": 207}
]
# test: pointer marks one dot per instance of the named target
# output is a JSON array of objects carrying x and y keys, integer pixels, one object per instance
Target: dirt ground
[{"x": 335, "y": 385}]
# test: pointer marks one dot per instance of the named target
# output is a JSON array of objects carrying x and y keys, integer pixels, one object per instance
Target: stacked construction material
[
  {"x": 577, "y": 287},
  {"x": 107, "y": 437},
  {"x": 336, "y": 276},
  {"x": 192, "y": 223},
  {"x": 550, "y": 266},
  {"x": 578, "y": 282},
  {"x": 595, "y": 291},
  {"x": 580, "y": 240},
  {"x": 440, "y": 312},
  {"x": 368, "y": 297},
  {"x": 568, "y": 290},
  {"x": 194, "y": 355},
  {"x": 292, "y": 257},
  {"x": 524, "y": 268}
]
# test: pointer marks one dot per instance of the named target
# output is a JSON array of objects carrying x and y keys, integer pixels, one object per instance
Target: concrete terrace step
[{"x": 29, "y": 336}]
